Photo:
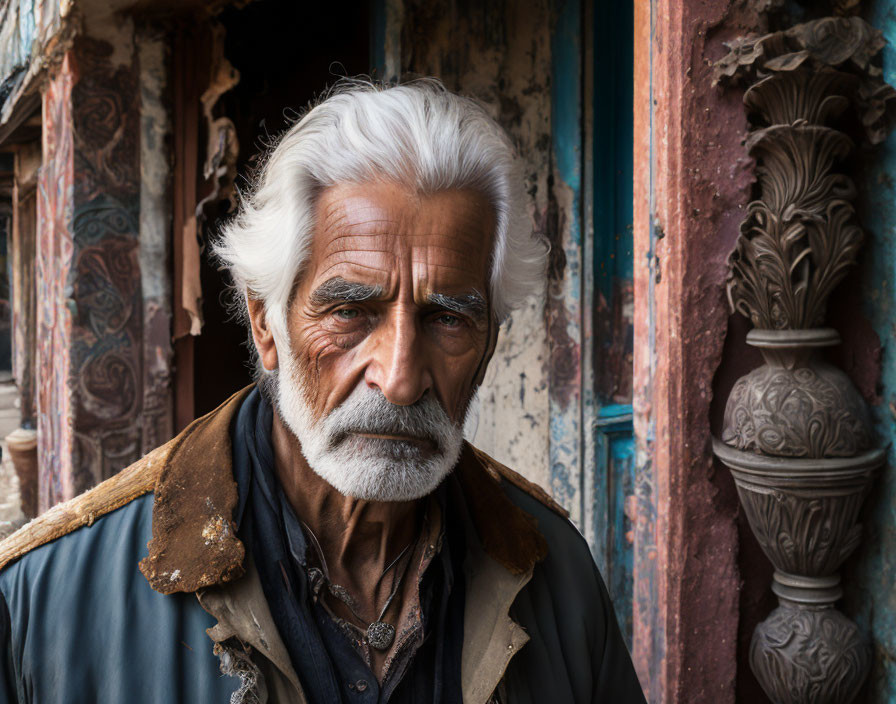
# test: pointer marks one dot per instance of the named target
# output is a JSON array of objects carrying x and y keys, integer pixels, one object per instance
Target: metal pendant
[{"x": 380, "y": 635}]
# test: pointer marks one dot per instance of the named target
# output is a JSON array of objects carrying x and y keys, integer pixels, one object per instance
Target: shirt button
[{"x": 361, "y": 685}]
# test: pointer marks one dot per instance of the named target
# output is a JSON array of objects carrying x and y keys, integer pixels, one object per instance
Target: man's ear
[{"x": 261, "y": 334}]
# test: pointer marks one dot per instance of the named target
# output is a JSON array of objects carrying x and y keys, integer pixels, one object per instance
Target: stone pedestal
[
  {"x": 799, "y": 443},
  {"x": 804, "y": 514}
]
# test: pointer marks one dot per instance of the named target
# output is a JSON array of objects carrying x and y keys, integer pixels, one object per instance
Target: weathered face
[
  {"x": 389, "y": 332},
  {"x": 394, "y": 295}
]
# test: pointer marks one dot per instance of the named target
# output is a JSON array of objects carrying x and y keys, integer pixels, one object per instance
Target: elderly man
[{"x": 327, "y": 536}]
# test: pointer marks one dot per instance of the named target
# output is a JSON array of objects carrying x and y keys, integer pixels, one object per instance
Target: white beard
[{"x": 372, "y": 469}]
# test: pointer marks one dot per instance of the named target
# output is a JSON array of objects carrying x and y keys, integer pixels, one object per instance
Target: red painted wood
[{"x": 691, "y": 181}]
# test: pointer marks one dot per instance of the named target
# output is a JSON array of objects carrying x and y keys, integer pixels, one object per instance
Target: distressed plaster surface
[
  {"x": 155, "y": 224},
  {"x": 692, "y": 179},
  {"x": 28, "y": 28}
]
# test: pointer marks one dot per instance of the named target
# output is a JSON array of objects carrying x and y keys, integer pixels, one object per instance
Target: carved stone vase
[
  {"x": 798, "y": 441},
  {"x": 798, "y": 437}
]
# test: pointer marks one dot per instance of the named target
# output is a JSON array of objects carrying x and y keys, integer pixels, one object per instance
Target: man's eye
[
  {"x": 448, "y": 320},
  {"x": 347, "y": 313}
]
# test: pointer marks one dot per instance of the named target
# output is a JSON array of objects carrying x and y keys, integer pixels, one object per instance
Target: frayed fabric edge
[{"x": 236, "y": 662}]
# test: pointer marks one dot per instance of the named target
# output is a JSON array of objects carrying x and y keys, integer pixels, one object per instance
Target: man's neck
[{"x": 358, "y": 539}]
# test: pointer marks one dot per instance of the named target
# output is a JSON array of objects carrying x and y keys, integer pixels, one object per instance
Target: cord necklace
[{"x": 379, "y": 634}]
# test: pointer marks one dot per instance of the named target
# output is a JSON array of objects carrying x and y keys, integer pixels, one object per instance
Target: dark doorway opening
[{"x": 287, "y": 53}]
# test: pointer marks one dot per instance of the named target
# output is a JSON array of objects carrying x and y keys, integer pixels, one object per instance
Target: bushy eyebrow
[
  {"x": 471, "y": 304},
  {"x": 338, "y": 290}
]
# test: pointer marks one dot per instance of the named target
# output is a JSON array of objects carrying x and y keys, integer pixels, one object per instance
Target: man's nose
[{"x": 398, "y": 366}]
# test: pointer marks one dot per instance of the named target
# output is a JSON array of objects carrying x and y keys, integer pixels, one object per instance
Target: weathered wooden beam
[{"x": 691, "y": 180}]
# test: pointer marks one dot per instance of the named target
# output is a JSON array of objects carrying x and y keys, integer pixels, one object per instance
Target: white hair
[{"x": 417, "y": 134}]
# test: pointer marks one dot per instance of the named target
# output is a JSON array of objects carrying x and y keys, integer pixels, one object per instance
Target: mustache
[{"x": 368, "y": 411}]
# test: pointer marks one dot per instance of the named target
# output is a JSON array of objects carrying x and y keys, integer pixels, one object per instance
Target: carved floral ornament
[
  {"x": 845, "y": 43},
  {"x": 797, "y": 436},
  {"x": 811, "y": 656},
  {"x": 800, "y": 237},
  {"x": 803, "y": 412}
]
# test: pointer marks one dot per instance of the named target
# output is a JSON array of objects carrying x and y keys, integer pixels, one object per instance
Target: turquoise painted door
[{"x": 612, "y": 300}]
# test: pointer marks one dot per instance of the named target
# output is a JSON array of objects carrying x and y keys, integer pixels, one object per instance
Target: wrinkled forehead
[{"x": 379, "y": 232}]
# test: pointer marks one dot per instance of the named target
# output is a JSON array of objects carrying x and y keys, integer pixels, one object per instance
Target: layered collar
[{"x": 194, "y": 543}]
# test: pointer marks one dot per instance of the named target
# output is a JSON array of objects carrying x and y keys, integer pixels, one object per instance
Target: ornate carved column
[
  {"x": 797, "y": 436},
  {"x": 102, "y": 340}
]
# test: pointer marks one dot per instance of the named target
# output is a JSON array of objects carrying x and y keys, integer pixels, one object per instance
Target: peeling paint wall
[
  {"x": 870, "y": 574},
  {"x": 26, "y": 27},
  {"x": 567, "y": 299},
  {"x": 154, "y": 239},
  {"x": 554, "y": 404},
  {"x": 54, "y": 320}
]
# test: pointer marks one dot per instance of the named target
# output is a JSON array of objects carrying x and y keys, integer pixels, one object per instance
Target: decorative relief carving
[
  {"x": 785, "y": 522},
  {"x": 797, "y": 435},
  {"x": 812, "y": 411},
  {"x": 844, "y": 43},
  {"x": 800, "y": 237},
  {"x": 106, "y": 298},
  {"x": 809, "y": 656},
  {"x": 819, "y": 99}
]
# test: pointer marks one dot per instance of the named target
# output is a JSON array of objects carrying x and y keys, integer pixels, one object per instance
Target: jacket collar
[{"x": 194, "y": 543}]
